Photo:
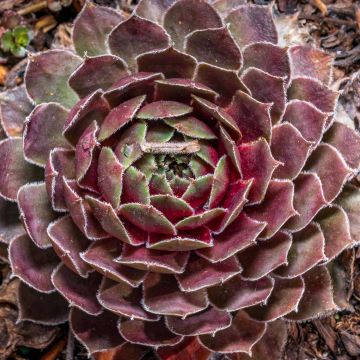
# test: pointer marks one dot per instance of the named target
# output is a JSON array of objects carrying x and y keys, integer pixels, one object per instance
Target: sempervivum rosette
[{"x": 185, "y": 180}]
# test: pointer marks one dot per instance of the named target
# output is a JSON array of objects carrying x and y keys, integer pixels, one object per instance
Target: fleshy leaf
[
  {"x": 237, "y": 293},
  {"x": 124, "y": 300},
  {"x": 110, "y": 173},
  {"x": 163, "y": 109},
  {"x": 153, "y": 260},
  {"x": 119, "y": 117},
  {"x": 257, "y": 163},
  {"x": 135, "y": 187},
  {"x": 224, "y": 82},
  {"x": 234, "y": 201},
  {"x": 303, "y": 88},
  {"x": 15, "y": 106},
  {"x": 101, "y": 256},
  {"x": 181, "y": 90},
  {"x": 170, "y": 62},
  {"x": 110, "y": 222},
  {"x": 179, "y": 185},
  {"x": 147, "y": 165},
  {"x": 128, "y": 148},
  {"x": 224, "y": 7},
  {"x": 91, "y": 109},
  {"x": 80, "y": 292},
  {"x": 86, "y": 156},
  {"x": 241, "y": 234},
  {"x": 148, "y": 218},
  {"x": 251, "y": 116},
  {"x": 308, "y": 200},
  {"x": 334, "y": 224},
  {"x": 80, "y": 212},
  {"x": 36, "y": 213},
  {"x": 267, "y": 57},
  {"x": 173, "y": 301},
  {"x": 31, "y": 264},
  {"x": 136, "y": 36},
  {"x": 252, "y": 23},
  {"x": 339, "y": 275},
  {"x": 199, "y": 167},
  {"x": 349, "y": 200},
  {"x": 331, "y": 168},
  {"x": 185, "y": 240},
  {"x": 68, "y": 242},
  {"x": 318, "y": 295},
  {"x": 284, "y": 299},
  {"x": 41, "y": 308},
  {"x": 220, "y": 182},
  {"x": 10, "y": 226},
  {"x": 99, "y": 72},
  {"x": 270, "y": 346},
  {"x": 171, "y": 206},
  {"x": 214, "y": 46},
  {"x": 307, "y": 250},
  {"x": 159, "y": 132},
  {"x": 193, "y": 278},
  {"x": 191, "y": 126},
  {"x": 267, "y": 88},
  {"x": 153, "y": 9},
  {"x": 208, "y": 153},
  {"x": 231, "y": 149},
  {"x": 260, "y": 259},
  {"x": 241, "y": 336},
  {"x": 131, "y": 86},
  {"x": 207, "y": 322},
  {"x": 309, "y": 120},
  {"x": 198, "y": 191},
  {"x": 143, "y": 333},
  {"x": 276, "y": 208},
  {"x": 14, "y": 170},
  {"x": 289, "y": 148},
  {"x": 211, "y": 112},
  {"x": 61, "y": 163},
  {"x": 43, "y": 132},
  {"x": 200, "y": 219},
  {"x": 347, "y": 142},
  {"x": 308, "y": 61},
  {"x": 47, "y": 74},
  {"x": 185, "y": 16},
  {"x": 159, "y": 185},
  {"x": 188, "y": 349},
  {"x": 92, "y": 27},
  {"x": 96, "y": 333}
]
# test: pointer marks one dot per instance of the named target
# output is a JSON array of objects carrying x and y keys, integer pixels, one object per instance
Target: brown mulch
[{"x": 334, "y": 25}]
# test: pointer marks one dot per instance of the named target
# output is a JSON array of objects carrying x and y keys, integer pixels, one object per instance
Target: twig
[
  {"x": 46, "y": 23},
  {"x": 349, "y": 23},
  {"x": 357, "y": 15},
  {"x": 53, "y": 353},
  {"x": 321, "y": 6},
  {"x": 170, "y": 147},
  {"x": 33, "y": 8}
]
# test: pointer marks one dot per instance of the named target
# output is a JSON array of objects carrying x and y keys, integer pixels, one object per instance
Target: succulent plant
[
  {"x": 185, "y": 179},
  {"x": 16, "y": 40}
]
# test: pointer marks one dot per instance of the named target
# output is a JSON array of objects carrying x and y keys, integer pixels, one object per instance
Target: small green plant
[{"x": 16, "y": 40}]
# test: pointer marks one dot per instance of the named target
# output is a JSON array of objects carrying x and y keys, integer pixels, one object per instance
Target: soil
[{"x": 334, "y": 25}]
